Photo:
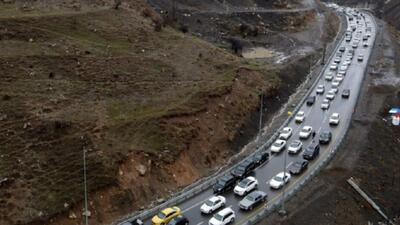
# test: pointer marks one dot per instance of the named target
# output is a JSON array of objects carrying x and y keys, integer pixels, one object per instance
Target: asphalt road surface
[{"x": 315, "y": 117}]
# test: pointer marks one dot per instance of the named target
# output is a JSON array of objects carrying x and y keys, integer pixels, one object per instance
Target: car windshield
[
  {"x": 161, "y": 215},
  {"x": 305, "y": 129},
  {"x": 243, "y": 183},
  {"x": 209, "y": 203},
  {"x": 308, "y": 151},
  {"x": 296, "y": 165},
  {"x": 250, "y": 198},
  {"x": 278, "y": 178},
  {"x": 218, "y": 217},
  {"x": 240, "y": 169},
  {"x": 277, "y": 144},
  {"x": 295, "y": 144},
  {"x": 221, "y": 182}
]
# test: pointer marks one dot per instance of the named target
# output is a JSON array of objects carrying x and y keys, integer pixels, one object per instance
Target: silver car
[{"x": 253, "y": 199}]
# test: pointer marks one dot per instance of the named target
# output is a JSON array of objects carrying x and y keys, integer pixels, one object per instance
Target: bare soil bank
[{"x": 144, "y": 104}]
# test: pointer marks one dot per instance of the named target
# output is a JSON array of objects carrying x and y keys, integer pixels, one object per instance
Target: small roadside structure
[{"x": 395, "y": 116}]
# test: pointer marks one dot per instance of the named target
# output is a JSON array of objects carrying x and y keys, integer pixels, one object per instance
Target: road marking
[
  {"x": 200, "y": 223},
  {"x": 195, "y": 205},
  {"x": 289, "y": 165},
  {"x": 328, "y": 150}
]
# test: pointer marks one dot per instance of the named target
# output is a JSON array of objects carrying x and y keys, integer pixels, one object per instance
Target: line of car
[{"x": 240, "y": 180}]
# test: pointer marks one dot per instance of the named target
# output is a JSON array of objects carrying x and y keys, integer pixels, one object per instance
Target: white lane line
[
  {"x": 323, "y": 121},
  {"x": 289, "y": 165},
  {"x": 195, "y": 205},
  {"x": 200, "y": 223}
]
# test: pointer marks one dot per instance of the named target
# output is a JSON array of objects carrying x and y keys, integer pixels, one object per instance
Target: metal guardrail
[
  {"x": 205, "y": 183},
  {"x": 269, "y": 209}
]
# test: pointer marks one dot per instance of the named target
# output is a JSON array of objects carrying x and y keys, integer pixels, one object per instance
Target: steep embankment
[{"x": 154, "y": 109}]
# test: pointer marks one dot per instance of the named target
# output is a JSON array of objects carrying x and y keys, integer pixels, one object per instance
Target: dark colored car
[
  {"x": 244, "y": 169},
  {"x": 179, "y": 220},
  {"x": 311, "y": 151},
  {"x": 310, "y": 100},
  {"x": 325, "y": 137},
  {"x": 136, "y": 222},
  {"x": 298, "y": 167},
  {"x": 224, "y": 184},
  {"x": 260, "y": 157},
  {"x": 346, "y": 93},
  {"x": 253, "y": 199}
]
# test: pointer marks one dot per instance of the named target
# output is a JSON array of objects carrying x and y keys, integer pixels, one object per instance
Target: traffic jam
[{"x": 252, "y": 185}]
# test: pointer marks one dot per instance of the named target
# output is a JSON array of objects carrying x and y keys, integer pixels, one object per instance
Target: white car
[
  {"x": 305, "y": 132},
  {"x": 320, "y": 89},
  {"x": 334, "y": 119},
  {"x": 349, "y": 55},
  {"x": 278, "y": 145},
  {"x": 333, "y": 66},
  {"x": 299, "y": 118},
  {"x": 223, "y": 217},
  {"x": 360, "y": 57},
  {"x": 343, "y": 67},
  {"x": 337, "y": 59},
  {"x": 330, "y": 95},
  {"x": 245, "y": 186},
  {"x": 329, "y": 76},
  {"x": 285, "y": 133},
  {"x": 334, "y": 90},
  {"x": 279, "y": 180},
  {"x": 365, "y": 44},
  {"x": 325, "y": 104},
  {"x": 295, "y": 147},
  {"x": 335, "y": 83},
  {"x": 342, "y": 72},
  {"x": 347, "y": 61},
  {"x": 339, "y": 77},
  {"x": 212, "y": 204}
]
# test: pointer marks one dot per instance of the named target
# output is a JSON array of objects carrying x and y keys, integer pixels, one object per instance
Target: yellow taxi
[{"x": 166, "y": 215}]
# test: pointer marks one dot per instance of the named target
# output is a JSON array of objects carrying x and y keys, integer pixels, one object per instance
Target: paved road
[{"x": 315, "y": 117}]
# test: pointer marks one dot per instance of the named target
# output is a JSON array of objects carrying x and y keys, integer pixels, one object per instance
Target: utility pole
[
  {"x": 261, "y": 114},
  {"x": 85, "y": 184}
]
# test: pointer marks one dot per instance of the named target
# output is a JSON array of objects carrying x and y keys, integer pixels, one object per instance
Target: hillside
[
  {"x": 153, "y": 108},
  {"x": 103, "y": 80}
]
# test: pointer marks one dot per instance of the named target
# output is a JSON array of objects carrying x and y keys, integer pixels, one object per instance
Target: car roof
[
  {"x": 281, "y": 174},
  {"x": 167, "y": 210},
  {"x": 296, "y": 141},
  {"x": 335, "y": 114},
  {"x": 256, "y": 193},
  {"x": 225, "y": 211},
  {"x": 214, "y": 198},
  {"x": 226, "y": 177}
]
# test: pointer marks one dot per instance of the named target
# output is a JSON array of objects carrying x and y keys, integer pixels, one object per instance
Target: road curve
[{"x": 315, "y": 117}]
